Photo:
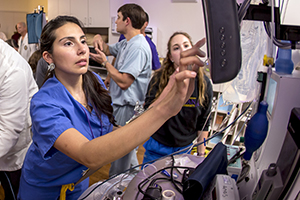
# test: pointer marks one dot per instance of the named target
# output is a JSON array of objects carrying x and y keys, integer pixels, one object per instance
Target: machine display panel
[{"x": 271, "y": 95}]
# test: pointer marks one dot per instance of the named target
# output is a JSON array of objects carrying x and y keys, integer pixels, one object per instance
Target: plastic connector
[{"x": 268, "y": 61}]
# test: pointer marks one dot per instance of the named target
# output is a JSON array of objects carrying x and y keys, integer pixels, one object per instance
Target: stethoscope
[{"x": 87, "y": 117}]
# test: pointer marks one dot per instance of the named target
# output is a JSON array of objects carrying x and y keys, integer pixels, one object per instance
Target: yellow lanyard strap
[{"x": 64, "y": 189}]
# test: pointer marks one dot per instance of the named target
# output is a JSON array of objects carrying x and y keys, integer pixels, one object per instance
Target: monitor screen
[
  {"x": 289, "y": 165},
  {"x": 271, "y": 95}
]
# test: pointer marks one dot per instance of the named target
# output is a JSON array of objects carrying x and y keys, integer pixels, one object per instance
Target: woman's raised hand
[{"x": 181, "y": 83}]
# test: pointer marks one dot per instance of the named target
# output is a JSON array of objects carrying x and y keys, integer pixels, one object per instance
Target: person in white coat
[
  {"x": 3, "y": 36},
  {"x": 17, "y": 86},
  {"x": 25, "y": 49}
]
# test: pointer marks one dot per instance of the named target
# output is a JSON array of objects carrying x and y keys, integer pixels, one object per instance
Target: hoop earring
[{"x": 51, "y": 67}]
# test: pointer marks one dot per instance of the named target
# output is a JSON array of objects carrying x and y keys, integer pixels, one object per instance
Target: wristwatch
[{"x": 104, "y": 63}]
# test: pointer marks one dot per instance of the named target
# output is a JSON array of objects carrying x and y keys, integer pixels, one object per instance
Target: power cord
[
  {"x": 146, "y": 180},
  {"x": 10, "y": 186},
  {"x": 236, "y": 156},
  {"x": 175, "y": 153},
  {"x": 245, "y": 172},
  {"x": 153, "y": 192},
  {"x": 218, "y": 133}
]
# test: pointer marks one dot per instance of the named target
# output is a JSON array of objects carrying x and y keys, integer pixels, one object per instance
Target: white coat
[
  {"x": 25, "y": 49},
  {"x": 17, "y": 86}
]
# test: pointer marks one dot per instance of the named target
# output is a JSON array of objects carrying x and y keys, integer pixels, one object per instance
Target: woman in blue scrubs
[{"x": 72, "y": 114}]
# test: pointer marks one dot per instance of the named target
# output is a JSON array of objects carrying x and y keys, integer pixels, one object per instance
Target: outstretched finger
[
  {"x": 181, "y": 76},
  {"x": 193, "y": 61},
  {"x": 195, "y": 50},
  {"x": 92, "y": 55},
  {"x": 191, "y": 57}
]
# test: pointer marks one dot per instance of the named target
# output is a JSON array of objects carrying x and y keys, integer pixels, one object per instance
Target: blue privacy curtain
[{"x": 35, "y": 24}]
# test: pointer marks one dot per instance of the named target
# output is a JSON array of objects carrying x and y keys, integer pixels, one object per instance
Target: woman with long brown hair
[{"x": 179, "y": 131}]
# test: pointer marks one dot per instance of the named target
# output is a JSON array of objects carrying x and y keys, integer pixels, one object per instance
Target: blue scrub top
[{"x": 53, "y": 110}]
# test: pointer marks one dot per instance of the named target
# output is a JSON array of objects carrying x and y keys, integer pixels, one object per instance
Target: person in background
[
  {"x": 131, "y": 73},
  {"x": 17, "y": 86},
  {"x": 72, "y": 116},
  {"x": 33, "y": 61},
  {"x": 41, "y": 72},
  {"x": 13, "y": 44},
  {"x": 3, "y": 36},
  {"x": 179, "y": 131},
  {"x": 25, "y": 49},
  {"x": 16, "y": 35},
  {"x": 155, "y": 57}
]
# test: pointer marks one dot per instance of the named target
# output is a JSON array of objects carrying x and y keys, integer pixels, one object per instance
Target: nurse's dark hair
[{"x": 95, "y": 93}]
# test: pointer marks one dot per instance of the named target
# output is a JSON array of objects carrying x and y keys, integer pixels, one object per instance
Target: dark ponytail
[{"x": 98, "y": 96}]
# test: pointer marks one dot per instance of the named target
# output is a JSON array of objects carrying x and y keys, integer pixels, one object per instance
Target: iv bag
[{"x": 244, "y": 87}]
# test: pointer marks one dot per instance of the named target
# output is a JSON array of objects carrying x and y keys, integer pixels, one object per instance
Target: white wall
[
  {"x": 168, "y": 17},
  {"x": 14, "y": 11},
  {"x": 114, "y": 5},
  {"x": 22, "y": 5}
]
